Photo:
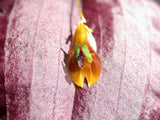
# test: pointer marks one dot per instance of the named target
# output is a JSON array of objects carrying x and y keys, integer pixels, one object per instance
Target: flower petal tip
[
  {"x": 89, "y": 85},
  {"x": 79, "y": 85}
]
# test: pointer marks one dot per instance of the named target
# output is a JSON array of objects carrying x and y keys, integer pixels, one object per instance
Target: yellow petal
[
  {"x": 80, "y": 35},
  {"x": 83, "y": 35}
]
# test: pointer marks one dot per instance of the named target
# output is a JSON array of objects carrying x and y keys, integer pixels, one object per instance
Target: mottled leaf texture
[
  {"x": 5, "y": 9},
  {"x": 34, "y": 83}
]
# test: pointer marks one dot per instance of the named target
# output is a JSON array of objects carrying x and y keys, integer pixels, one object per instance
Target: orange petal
[
  {"x": 93, "y": 70},
  {"x": 76, "y": 73}
]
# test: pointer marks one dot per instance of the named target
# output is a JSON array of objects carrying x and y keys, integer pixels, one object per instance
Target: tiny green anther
[
  {"x": 76, "y": 51},
  {"x": 85, "y": 50},
  {"x": 87, "y": 53}
]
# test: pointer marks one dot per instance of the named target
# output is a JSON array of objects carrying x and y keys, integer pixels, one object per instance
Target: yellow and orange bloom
[{"x": 83, "y": 62}]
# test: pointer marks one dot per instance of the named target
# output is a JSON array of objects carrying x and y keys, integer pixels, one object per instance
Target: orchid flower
[{"x": 84, "y": 62}]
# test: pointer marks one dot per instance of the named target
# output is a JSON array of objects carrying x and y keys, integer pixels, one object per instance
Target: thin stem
[{"x": 83, "y": 20}]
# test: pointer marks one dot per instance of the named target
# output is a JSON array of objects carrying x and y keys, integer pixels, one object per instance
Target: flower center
[
  {"x": 82, "y": 55},
  {"x": 81, "y": 61}
]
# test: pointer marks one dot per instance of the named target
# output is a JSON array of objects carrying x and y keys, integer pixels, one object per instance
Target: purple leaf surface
[
  {"x": 5, "y": 9},
  {"x": 35, "y": 79},
  {"x": 37, "y": 84},
  {"x": 129, "y": 85}
]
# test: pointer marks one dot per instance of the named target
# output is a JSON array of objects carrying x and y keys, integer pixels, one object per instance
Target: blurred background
[{"x": 157, "y": 1}]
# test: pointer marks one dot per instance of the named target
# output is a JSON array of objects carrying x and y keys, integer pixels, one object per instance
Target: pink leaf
[
  {"x": 5, "y": 9},
  {"x": 129, "y": 85},
  {"x": 37, "y": 84}
]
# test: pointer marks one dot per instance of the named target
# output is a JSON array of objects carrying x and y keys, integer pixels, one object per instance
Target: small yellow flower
[{"x": 83, "y": 60}]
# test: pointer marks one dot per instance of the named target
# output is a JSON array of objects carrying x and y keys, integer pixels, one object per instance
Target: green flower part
[
  {"x": 87, "y": 53},
  {"x": 76, "y": 52},
  {"x": 85, "y": 50}
]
